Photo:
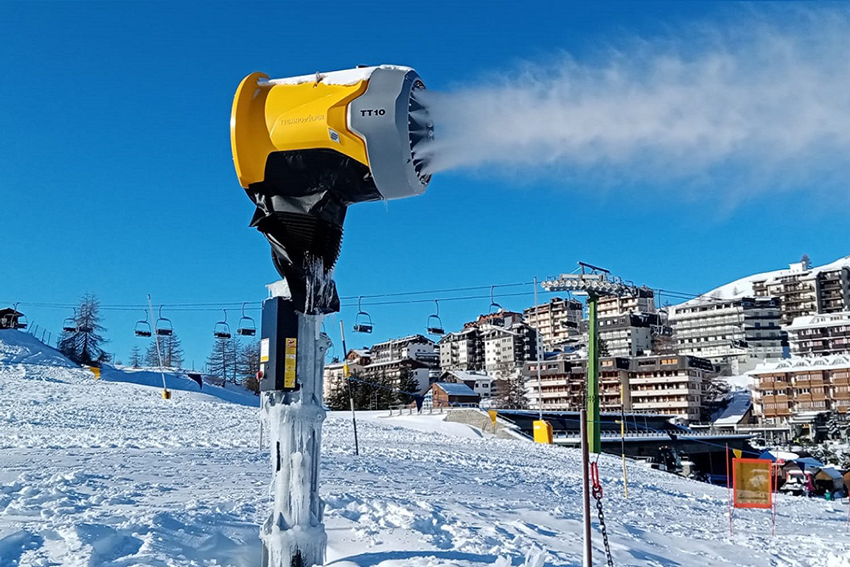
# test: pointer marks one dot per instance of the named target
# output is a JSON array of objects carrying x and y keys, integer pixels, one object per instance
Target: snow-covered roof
[
  {"x": 739, "y": 404},
  {"x": 344, "y": 77},
  {"x": 405, "y": 340},
  {"x": 453, "y": 389},
  {"x": 744, "y": 287},
  {"x": 798, "y": 364},
  {"x": 819, "y": 320},
  {"x": 464, "y": 375}
]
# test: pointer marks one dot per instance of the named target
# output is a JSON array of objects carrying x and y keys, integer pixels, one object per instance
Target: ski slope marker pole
[
  {"x": 347, "y": 375},
  {"x": 166, "y": 395}
]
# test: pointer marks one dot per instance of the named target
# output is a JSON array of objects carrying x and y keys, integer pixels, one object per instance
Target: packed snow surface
[{"x": 107, "y": 473}]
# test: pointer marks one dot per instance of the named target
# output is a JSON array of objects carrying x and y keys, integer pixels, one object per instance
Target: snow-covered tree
[{"x": 84, "y": 344}]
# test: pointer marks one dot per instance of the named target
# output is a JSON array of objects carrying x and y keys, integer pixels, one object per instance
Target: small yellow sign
[
  {"x": 289, "y": 363},
  {"x": 96, "y": 371},
  {"x": 493, "y": 414}
]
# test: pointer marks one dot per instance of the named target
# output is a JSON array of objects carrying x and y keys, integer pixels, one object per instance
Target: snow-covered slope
[
  {"x": 20, "y": 348},
  {"x": 743, "y": 287},
  {"x": 108, "y": 473}
]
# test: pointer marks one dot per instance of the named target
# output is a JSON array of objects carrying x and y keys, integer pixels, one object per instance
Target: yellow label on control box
[{"x": 289, "y": 362}]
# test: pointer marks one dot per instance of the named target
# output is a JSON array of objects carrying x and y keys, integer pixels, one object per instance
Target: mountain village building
[
  {"x": 498, "y": 343},
  {"x": 558, "y": 321},
  {"x": 820, "y": 335},
  {"x": 643, "y": 301},
  {"x": 804, "y": 291},
  {"x": 796, "y": 390},
  {"x": 737, "y": 334},
  {"x": 669, "y": 384}
]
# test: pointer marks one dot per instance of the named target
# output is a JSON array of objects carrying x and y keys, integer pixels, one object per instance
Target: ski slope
[{"x": 107, "y": 473}]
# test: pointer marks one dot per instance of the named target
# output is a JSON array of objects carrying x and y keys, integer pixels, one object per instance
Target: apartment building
[
  {"x": 734, "y": 333},
  {"x": 413, "y": 347},
  {"x": 498, "y": 343},
  {"x": 506, "y": 349},
  {"x": 794, "y": 389},
  {"x": 558, "y": 321},
  {"x": 631, "y": 334},
  {"x": 820, "y": 335},
  {"x": 643, "y": 301},
  {"x": 463, "y": 350},
  {"x": 803, "y": 290},
  {"x": 669, "y": 384}
]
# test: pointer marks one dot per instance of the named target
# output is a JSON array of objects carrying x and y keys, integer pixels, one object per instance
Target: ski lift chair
[
  {"x": 435, "y": 324},
  {"x": 143, "y": 327},
  {"x": 222, "y": 329},
  {"x": 363, "y": 321},
  {"x": 69, "y": 325},
  {"x": 246, "y": 327},
  {"x": 21, "y": 322},
  {"x": 493, "y": 303},
  {"x": 163, "y": 326}
]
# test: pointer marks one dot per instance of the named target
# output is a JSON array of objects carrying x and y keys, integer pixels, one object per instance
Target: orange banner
[{"x": 752, "y": 483}]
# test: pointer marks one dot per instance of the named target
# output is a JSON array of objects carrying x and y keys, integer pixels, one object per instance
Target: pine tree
[
  {"x": 169, "y": 347},
  {"x": 248, "y": 361},
  {"x": 602, "y": 347},
  {"x": 407, "y": 383},
  {"x": 136, "y": 356},
  {"x": 337, "y": 399},
  {"x": 83, "y": 345},
  {"x": 222, "y": 360}
]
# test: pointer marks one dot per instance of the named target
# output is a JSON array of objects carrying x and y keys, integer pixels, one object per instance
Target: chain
[
  {"x": 604, "y": 531},
  {"x": 596, "y": 491}
]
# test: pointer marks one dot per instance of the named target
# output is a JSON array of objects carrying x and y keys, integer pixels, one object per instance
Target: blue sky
[{"x": 118, "y": 180}]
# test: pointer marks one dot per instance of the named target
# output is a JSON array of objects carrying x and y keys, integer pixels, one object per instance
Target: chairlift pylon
[
  {"x": 362, "y": 321},
  {"x": 21, "y": 321},
  {"x": 246, "y": 327},
  {"x": 163, "y": 326},
  {"x": 143, "y": 327},
  {"x": 222, "y": 329},
  {"x": 493, "y": 302},
  {"x": 435, "y": 324},
  {"x": 69, "y": 325}
]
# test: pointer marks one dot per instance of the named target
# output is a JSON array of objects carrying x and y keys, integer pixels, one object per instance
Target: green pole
[{"x": 593, "y": 434}]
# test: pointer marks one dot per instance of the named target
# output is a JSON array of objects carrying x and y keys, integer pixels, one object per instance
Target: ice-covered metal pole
[{"x": 294, "y": 534}]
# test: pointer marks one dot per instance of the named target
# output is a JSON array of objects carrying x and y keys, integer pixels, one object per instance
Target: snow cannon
[{"x": 305, "y": 148}]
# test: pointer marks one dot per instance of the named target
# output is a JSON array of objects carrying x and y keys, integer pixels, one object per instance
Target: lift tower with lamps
[{"x": 594, "y": 282}]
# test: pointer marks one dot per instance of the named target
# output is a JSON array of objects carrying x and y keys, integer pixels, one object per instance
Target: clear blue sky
[{"x": 117, "y": 177}]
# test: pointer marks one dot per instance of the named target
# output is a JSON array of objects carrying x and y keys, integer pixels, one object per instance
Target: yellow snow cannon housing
[{"x": 305, "y": 148}]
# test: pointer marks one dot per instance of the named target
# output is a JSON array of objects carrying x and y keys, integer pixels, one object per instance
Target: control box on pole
[{"x": 278, "y": 345}]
